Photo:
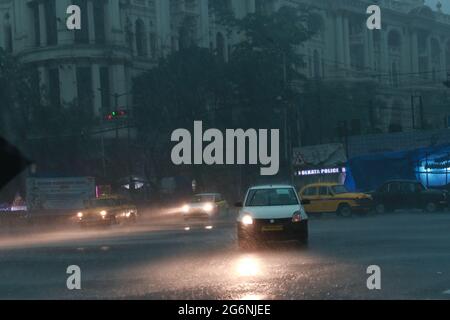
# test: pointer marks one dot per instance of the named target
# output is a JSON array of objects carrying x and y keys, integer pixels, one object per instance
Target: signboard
[
  {"x": 322, "y": 171},
  {"x": 322, "y": 156},
  {"x": 59, "y": 193}
]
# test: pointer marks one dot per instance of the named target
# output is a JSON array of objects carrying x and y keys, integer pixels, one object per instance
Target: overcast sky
[{"x": 445, "y": 4}]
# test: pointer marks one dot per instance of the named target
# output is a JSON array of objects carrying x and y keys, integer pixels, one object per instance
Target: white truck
[{"x": 61, "y": 195}]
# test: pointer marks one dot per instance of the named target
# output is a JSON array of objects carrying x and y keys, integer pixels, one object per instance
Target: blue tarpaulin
[{"x": 367, "y": 173}]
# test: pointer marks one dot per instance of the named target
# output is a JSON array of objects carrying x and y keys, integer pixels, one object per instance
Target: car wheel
[
  {"x": 344, "y": 211},
  {"x": 380, "y": 208},
  {"x": 431, "y": 207}
]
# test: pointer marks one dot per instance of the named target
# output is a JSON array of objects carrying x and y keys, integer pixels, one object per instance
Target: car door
[
  {"x": 311, "y": 194},
  {"x": 409, "y": 198},
  {"x": 393, "y": 198},
  {"x": 326, "y": 201},
  {"x": 420, "y": 196}
]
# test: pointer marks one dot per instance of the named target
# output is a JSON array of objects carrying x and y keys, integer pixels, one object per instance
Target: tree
[
  {"x": 327, "y": 105},
  {"x": 185, "y": 87},
  {"x": 265, "y": 65},
  {"x": 55, "y": 136},
  {"x": 19, "y": 92},
  {"x": 247, "y": 91}
]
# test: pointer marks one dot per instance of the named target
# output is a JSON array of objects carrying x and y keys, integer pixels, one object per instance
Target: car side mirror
[
  {"x": 306, "y": 201},
  {"x": 238, "y": 204}
]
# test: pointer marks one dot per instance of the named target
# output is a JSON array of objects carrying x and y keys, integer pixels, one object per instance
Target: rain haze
[{"x": 224, "y": 150}]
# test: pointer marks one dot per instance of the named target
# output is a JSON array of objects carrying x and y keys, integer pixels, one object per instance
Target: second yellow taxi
[{"x": 334, "y": 197}]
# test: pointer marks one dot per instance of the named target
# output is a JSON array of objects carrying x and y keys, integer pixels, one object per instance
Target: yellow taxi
[
  {"x": 107, "y": 210},
  {"x": 334, "y": 197}
]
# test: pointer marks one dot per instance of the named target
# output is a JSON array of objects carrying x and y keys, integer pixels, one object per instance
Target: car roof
[
  {"x": 402, "y": 180},
  {"x": 271, "y": 186},
  {"x": 323, "y": 184}
]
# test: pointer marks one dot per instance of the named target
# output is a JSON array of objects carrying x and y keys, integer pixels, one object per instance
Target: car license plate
[{"x": 272, "y": 228}]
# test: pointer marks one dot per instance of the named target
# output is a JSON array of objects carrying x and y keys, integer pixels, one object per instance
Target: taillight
[{"x": 297, "y": 217}]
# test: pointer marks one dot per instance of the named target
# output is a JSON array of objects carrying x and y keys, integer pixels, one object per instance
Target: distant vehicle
[
  {"x": 108, "y": 210},
  {"x": 408, "y": 194},
  {"x": 442, "y": 187},
  {"x": 271, "y": 213},
  {"x": 205, "y": 206},
  {"x": 334, "y": 197}
]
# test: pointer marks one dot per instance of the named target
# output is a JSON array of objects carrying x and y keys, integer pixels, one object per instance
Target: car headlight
[
  {"x": 185, "y": 209},
  {"x": 297, "y": 217},
  {"x": 247, "y": 220},
  {"x": 80, "y": 215},
  {"x": 103, "y": 213},
  {"x": 208, "y": 207}
]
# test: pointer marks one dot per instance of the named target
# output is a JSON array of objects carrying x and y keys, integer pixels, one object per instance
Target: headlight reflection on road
[
  {"x": 253, "y": 297},
  {"x": 248, "y": 266}
]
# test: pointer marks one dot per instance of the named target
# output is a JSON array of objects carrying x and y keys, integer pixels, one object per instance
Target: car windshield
[
  {"x": 339, "y": 189},
  {"x": 102, "y": 203},
  {"x": 202, "y": 198},
  {"x": 271, "y": 197}
]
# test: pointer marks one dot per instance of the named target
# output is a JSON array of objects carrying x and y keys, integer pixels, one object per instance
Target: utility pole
[
  {"x": 343, "y": 132},
  {"x": 116, "y": 97},
  {"x": 287, "y": 124}
]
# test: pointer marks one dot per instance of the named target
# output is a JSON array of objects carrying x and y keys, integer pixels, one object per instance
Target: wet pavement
[{"x": 161, "y": 259}]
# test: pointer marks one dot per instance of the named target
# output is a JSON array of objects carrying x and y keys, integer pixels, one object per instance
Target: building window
[
  {"x": 82, "y": 35},
  {"x": 36, "y": 24},
  {"x": 447, "y": 55},
  {"x": 84, "y": 89},
  {"x": 53, "y": 87},
  {"x": 187, "y": 33},
  {"x": 141, "y": 38},
  {"x": 99, "y": 21},
  {"x": 154, "y": 45},
  {"x": 8, "y": 34},
  {"x": 50, "y": 22},
  {"x": 316, "y": 63}
]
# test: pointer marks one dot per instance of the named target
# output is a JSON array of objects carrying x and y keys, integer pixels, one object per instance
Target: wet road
[{"x": 163, "y": 261}]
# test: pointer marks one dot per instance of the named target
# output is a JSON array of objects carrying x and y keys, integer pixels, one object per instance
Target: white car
[
  {"x": 205, "y": 206},
  {"x": 271, "y": 212}
]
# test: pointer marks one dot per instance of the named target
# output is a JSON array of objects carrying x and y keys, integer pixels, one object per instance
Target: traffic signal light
[{"x": 114, "y": 115}]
